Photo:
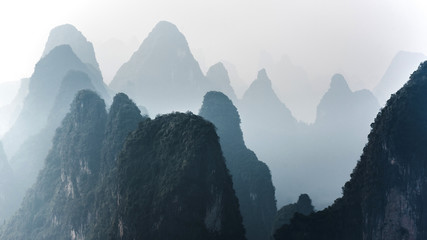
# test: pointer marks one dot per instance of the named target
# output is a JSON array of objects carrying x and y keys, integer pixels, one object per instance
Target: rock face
[
  {"x": 29, "y": 159},
  {"x": 396, "y": 75},
  {"x": 217, "y": 75},
  {"x": 162, "y": 74},
  {"x": 172, "y": 170},
  {"x": 386, "y": 194},
  {"x": 251, "y": 177},
  {"x": 56, "y": 206},
  {"x": 286, "y": 213},
  {"x": 170, "y": 173}
]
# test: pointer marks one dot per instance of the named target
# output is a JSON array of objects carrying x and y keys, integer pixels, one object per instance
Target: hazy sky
[{"x": 357, "y": 38}]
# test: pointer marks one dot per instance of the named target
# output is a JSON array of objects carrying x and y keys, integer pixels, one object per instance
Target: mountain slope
[
  {"x": 173, "y": 171},
  {"x": 251, "y": 177},
  {"x": 29, "y": 159},
  {"x": 55, "y": 208},
  {"x": 162, "y": 74},
  {"x": 67, "y": 34},
  {"x": 386, "y": 194},
  {"x": 217, "y": 75},
  {"x": 43, "y": 89}
]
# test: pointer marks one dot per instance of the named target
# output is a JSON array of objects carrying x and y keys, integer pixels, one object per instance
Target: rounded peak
[
  {"x": 84, "y": 96},
  {"x": 338, "y": 82},
  {"x": 121, "y": 97},
  {"x": 217, "y": 96},
  {"x": 304, "y": 199},
  {"x": 218, "y": 73},
  {"x": 69, "y": 28},
  {"x": 165, "y": 26},
  {"x": 61, "y": 50},
  {"x": 217, "y": 67},
  {"x": 69, "y": 34}
]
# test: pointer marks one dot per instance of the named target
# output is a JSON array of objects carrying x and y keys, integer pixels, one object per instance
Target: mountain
[
  {"x": 219, "y": 81},
  {"x": 172, "y": 170},
  {"x": 335, "y": 139},
  {"x": 251, "y": 177},
  {"x": 9, "y": 113},
  {"x": 43, "y": 89},
  {"x": 397, "y": 74},
  {"x": 286, "y": 213},
  {"x": 7, "y": 187},
  {"x": 123, "y": 118},
  {"x": 269, "y": 129},
  {"x": 385, "y": 197},
  {"x": 162, "y": 74},
  {"x": 294, "y": 86},
  {"x": 29, "y": 159},
  {"x": 67, "y": 34},
  {"x": 56, "y": 206},
  {"x": 8, "y": 91}
]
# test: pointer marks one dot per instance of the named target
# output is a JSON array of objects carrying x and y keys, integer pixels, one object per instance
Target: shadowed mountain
[
  {"x": 170, "y": 173},
  {"x": 386, "y": 195},
  {"x": 29, "y": 159},
  {"x": 286, "y": 213},
  {"x": 162, "y": 74},
  {"x": 251, "y": 177},
  {"x": 172, "y": 170},
  {"x": 396, "y": 75},
  {"x": 54, "y": 208}
]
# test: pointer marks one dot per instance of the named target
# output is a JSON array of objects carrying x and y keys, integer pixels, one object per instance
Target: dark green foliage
[
  {"x": 173, "y": 183},
  {"x": 57, "y": 205},
  {"x": 170, "y": 175},
  {"x": 386, "y": 196},
  {"x": 251, "y": 177},
  {"x": 123, "y": 118},
  {"x": 286, "y": 213}
]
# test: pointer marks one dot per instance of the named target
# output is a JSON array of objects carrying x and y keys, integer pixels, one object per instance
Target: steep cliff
[
  {"x": 251, "y": 177},
  {"x": 386, "y": 195},
  {"x": 173, "y": 183}
]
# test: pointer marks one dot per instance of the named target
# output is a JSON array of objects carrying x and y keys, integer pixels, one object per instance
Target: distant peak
[
  {"x": 338, "y": 82},
  {"x": 165, "y": 26},
  {"x": 218, "y": 66},
  {"x": 263, "y": 77},
  {"x": 215, "y": 95},
  {"x": 69, "y": 34},
  {"x": 61, "y": 50},
  {"x": 64, "y": 27}
]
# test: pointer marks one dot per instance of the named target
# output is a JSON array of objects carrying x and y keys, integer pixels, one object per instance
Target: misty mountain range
[{"x": 79, "y": 160}]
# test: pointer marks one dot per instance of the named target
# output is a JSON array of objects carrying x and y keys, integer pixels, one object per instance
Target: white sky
[{"x": 357, "y": 38}]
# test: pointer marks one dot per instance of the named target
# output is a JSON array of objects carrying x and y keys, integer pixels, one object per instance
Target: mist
[{"x": 100, "y": 104}]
